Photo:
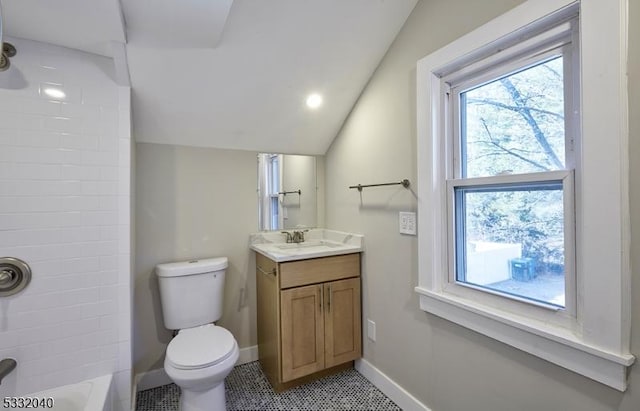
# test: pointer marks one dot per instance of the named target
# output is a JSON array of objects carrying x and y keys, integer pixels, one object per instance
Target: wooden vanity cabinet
[{"x": 309, "y": 317}]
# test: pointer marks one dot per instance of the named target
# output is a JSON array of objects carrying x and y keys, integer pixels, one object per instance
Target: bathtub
[{"x": 89, "y": 395}]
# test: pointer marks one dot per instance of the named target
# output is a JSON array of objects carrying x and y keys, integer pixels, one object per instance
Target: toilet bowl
[
  {"x": 198, "y": 360},
  {"x": 202, "y": 354}
]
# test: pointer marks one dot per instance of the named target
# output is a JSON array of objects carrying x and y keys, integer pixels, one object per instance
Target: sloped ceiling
[
  {"x": 176, "y": 23},
  {"x": 84, "y": 25},
  {"x": 229, "y": 74}
]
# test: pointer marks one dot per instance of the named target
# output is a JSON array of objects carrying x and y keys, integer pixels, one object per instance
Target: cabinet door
[
  {"x": 302, "y": 331},
  {"x": 343, "y": 333}
]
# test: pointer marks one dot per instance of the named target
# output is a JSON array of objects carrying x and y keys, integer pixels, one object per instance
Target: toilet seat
[{"x": 200, "y": 347}]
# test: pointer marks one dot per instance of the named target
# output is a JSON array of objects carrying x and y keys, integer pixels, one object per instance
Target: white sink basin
[
  {"x": 308, "y": 244},
  {"x": 330, "y": 243}
]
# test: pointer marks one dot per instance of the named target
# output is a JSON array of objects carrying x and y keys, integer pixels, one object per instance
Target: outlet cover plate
[
  {"x": 407, "y": 223},
  {"x": 371, "y": 330}
]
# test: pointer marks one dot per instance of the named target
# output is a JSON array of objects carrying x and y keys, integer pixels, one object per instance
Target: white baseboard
[
  {"x": 389, "y": 387},
  {"x": 158, "y": 377},
  {"x": 151, "y": 379},
  {"x": 134, "y": 404},
  {"x": 248, "y": 354}
]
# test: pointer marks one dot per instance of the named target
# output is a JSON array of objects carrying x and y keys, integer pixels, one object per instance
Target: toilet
[{"x": 202, "y": 354}]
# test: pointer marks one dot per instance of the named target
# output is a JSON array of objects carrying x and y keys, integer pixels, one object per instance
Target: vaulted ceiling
[{"x": 225, "y": 73}]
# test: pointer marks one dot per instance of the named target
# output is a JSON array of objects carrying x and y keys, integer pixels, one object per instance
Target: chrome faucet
[
  {"x": 297, "y": 236},
  {"x": 6, "y": 366},
  {"x": 289, "y": 236}
]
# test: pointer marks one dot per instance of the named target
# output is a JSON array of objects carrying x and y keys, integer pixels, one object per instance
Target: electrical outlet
[
  {"x": 371, "y": 330},
  {"x": 407, "y": 223}
]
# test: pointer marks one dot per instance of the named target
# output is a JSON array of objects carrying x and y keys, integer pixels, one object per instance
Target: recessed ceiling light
[
  {"x": 54, "y": 92},
  {"x": 314, "y": 100}
]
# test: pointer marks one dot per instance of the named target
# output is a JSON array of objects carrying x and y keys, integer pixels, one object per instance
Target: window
[
  {"x": 510, "y": 190},
  {"x": 269, "y": 183},
  {"x": 273, "y": 189},
  {"x": 523, "y": 228}
]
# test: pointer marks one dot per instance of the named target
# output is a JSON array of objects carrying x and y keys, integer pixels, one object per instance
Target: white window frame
[
  {"x": 273, "y": 193},
  {"x": 559, "y": 40},
  {"x": 266, "y": 193},
  {"x": 593, "y": 337}
]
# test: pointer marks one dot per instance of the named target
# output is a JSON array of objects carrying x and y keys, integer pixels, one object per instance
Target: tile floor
[{"x": 247, "y": 388}]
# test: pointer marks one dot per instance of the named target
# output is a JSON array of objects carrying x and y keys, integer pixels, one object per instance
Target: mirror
[{"x": 287, "y": 191}]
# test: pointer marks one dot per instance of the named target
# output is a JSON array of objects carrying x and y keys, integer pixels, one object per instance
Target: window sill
[{"x": 556, "y": 345}]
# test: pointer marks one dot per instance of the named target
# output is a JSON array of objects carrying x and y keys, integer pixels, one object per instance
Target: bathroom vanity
[{"x": 309, "y": 308}]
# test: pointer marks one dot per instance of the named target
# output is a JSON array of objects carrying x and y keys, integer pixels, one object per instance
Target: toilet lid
[{"x": 200, "y": 347}]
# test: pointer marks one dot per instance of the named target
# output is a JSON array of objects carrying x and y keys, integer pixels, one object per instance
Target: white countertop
[{"x": 319, "y": 242}]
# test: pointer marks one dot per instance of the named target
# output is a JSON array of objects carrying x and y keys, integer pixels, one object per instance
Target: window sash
[
  {"x": 454, "y": 113},
  {"x": 560, "y": 316},
  {"x": 551, "y": 313}
]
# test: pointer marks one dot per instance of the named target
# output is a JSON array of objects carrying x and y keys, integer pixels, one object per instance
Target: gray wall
[
  {"x": 447, "y": 367},
  {"x": 193, "y": 203},
  {"x": 299, "y": 173}
]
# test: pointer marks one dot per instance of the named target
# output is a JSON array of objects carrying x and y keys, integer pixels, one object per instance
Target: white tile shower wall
[{"x": 65, "y": 209}]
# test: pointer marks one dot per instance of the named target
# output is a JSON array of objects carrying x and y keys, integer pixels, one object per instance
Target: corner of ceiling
[
  {"x": 120, "y": 63},
  {"x": 123, "y": 21}
]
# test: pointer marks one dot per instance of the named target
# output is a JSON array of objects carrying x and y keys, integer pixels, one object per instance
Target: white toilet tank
[{"x": 191, "y": 292}]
